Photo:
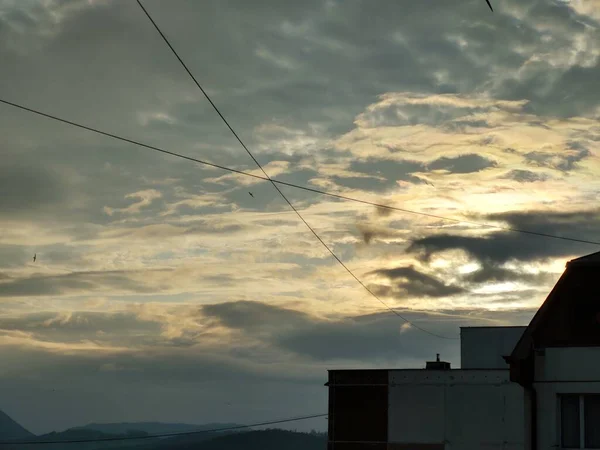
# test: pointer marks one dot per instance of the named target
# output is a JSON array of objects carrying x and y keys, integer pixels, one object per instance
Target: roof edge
[
  {"x": 592, "y": 259},
  {"x": 523, "y": 346},
  {"x": 576, "y": 262}
]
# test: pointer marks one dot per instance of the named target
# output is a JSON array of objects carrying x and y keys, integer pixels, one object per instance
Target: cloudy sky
[{"x": 164, "y": 291}]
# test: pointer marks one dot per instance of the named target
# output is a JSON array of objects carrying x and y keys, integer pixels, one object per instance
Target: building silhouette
[{"x": 518, "y": 388}]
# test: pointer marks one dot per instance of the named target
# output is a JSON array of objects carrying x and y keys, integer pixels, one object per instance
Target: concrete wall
[
  {"x": 484, "y": 347},
  {"x": 569, "y": 370},
  {"x": 568, "y": 364},
  {"x": 466, "y": 409}
]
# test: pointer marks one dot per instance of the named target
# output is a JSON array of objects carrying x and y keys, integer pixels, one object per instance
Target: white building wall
[
  {"x": 568, "y": 364},
  {"x": 568, "y": 370},
  {"x": 466, "y": 409},
  {"x": 484, "y": 347},
  {"x": 529, "y": 405}
]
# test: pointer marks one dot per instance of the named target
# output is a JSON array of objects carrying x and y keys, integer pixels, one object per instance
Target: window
[{"x": 580, "y": 421}]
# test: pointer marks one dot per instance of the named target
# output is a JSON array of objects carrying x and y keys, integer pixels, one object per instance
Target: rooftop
[{"x": 593, "y": 259}]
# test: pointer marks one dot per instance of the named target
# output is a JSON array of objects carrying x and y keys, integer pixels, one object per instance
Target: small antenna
[{"x": 437, "y": 357}]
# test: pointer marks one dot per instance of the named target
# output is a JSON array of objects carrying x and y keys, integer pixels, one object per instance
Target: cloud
[
  {"x": 462, "y": 164},
  {"x": 370, "y": 338},
  {"x": 564, "y": 161},
  {"x": 413, "y": 283},
  {"x": 390, "y": 170},
  {"x": 525, "y": 176},
  {"x": 280, "y": 349},
  {"x": 382, "y": 211},
  {"x": 370, "y": 233},
  {"x": 580, "y": 223},
  {"x": 13, "y": 256},
  {"x": 30, "y": 190},
  {"x": 77, "y": 283},
  {"x": 249, "y": 315},
  {"x": 145, "y": 199},
  {"x": 504, "y": 246},
  {"x": 119, "y": 329},
  {"x": 414, "y": 108},
  {"x": 491, "y": 273},
  {"x": 373, "y": 337}
]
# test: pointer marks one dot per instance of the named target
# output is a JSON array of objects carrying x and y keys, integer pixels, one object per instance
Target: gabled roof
[
  {"x": 570, "y": 280},
  {"x": 592, "y": 259},
  {"x": 524, "y": 344}
]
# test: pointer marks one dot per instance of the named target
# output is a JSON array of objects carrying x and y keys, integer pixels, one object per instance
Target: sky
[{"x": 164, "y": 291}]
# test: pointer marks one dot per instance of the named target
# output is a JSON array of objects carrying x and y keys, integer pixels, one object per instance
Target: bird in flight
[
  {"x": 490, "y": 5},
  {"x": 251, "y": 194},
  {"x": 34, "y": 257}
]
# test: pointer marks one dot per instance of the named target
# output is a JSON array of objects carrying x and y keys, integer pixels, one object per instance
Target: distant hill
[
  {"x": 231, "y": 440},
  {"x": 117, "y": 430},
  {"x": 149, "y": 427},
  {"x": 258, "y": 440},
  {"x": 9, "y": 429},
  {"x": 73, "y": 435},
  {"x": 252, "y": 440}
]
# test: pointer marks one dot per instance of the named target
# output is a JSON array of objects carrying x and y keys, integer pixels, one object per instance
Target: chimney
[{"x": 437, "y": 364}]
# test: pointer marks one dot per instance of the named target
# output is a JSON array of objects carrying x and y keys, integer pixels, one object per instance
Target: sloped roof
[
  {"x": 569, "y": 280},
  {"x": 592, "y": 259}
]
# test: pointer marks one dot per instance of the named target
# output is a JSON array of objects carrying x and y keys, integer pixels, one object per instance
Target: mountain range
[
  {"x": 271, "y": 439},
  {"x": 9, "y": 429},
  {"x": 151, "y": 427}
]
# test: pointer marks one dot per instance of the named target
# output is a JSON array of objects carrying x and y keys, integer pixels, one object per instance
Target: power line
[
  {"x": 166, "y": 40},
  {"x": 318, "y": 191},
  {"x": 296, "y": 186},
  {"x": 277, "y": 187},
  {"x": 163, "y": 435},
  {"x": 305, "y": 188}
]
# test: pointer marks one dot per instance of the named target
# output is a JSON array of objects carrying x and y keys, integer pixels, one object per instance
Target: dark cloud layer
[
  {"x": 503, "y": 246},
  {"x": 281, "y": 350},
  {"x": 248, "y": 315},
  {"x": 370, "y": 232},
  {"x": 106, "y": 328},
  {"x": 27, "y": 189},
  {"x": 373, "y": 338},
  {"x": 565, "y": 162},
  {"x": 409, "y": 281},
  {"x": 525, "y": 176},
  {"x": 73, "y": 283},
  {"x": 392, "y": 171},
  {"x": 498, "y": 274},
  {"x": 462, "y": 164}
]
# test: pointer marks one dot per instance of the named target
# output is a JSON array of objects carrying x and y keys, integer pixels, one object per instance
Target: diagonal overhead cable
[
  {"x": 318, "y": 191},
  {"x": 490, "y": 5},
  {"x": 240, "y": 172},
  {"x": 274, "y": 184},
  {"x": 296, "y": 186},
  {"x": 157, "y": 436}
]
